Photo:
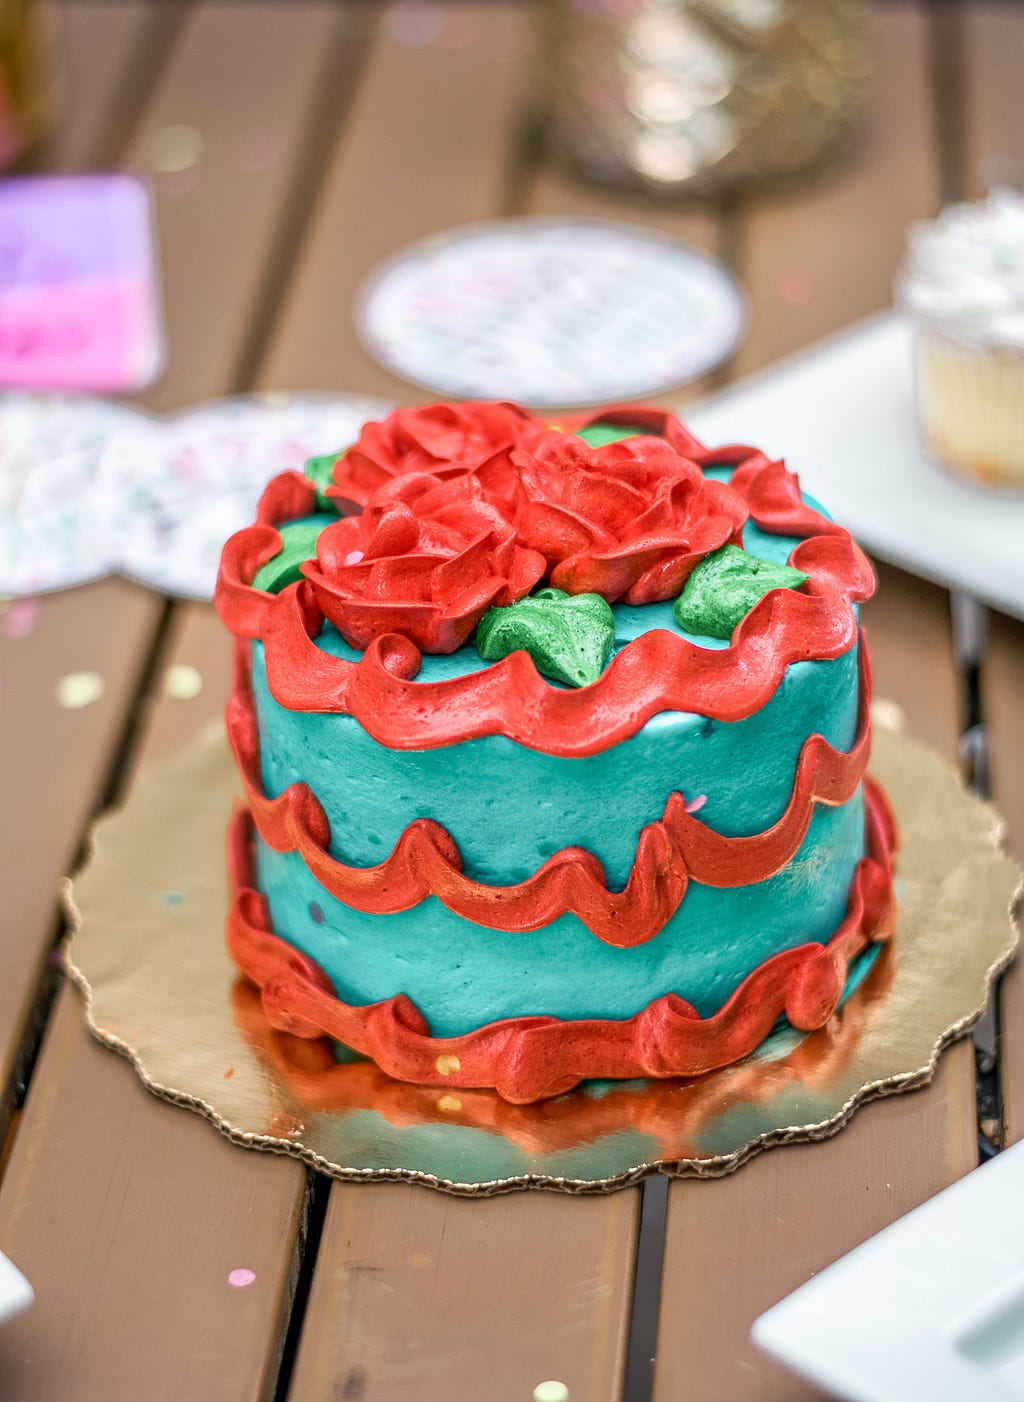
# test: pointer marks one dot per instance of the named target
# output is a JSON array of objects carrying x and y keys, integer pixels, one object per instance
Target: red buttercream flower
[
  {"x": 443, "y": 439},
  {"x": 426, "y": 559},
  {"x": 628, "y": 521}
]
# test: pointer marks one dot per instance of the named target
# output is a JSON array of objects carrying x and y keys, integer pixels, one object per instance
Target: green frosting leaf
[
  {"x": 318, "y": 470},
  {"x": 298, "y": 543},
  {"x": 568, "y": 636},
  {"x": 597, "y": 435},
  {"x": 724, "y": 587}
]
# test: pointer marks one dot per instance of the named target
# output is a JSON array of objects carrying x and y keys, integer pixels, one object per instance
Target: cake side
[{"x": 654, "y": 851}]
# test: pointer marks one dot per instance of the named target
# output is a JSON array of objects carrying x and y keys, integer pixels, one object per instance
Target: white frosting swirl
[{"x": 966, "y": 269}]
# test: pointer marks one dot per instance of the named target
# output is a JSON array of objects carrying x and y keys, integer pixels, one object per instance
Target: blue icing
[
  {"x": 461, "y": 975},
  {"x": 599, "y": 802}
]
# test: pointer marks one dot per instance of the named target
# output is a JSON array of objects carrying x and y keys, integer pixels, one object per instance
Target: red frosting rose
[
  {"x": 443, "y": 439},
  {"x": 628, "y": 521},
  {"x": 426, "y": 559}
]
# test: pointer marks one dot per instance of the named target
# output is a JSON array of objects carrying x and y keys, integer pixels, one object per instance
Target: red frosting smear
[
  {"x": 656, "y": 672},
  {"x": 627, "y": 521},
  {"x": 425, "y": 559},
  {"x": 426, "y": 861},
  {"x": 533, "y": 1058},
  {"x": 442, "y": 439}
]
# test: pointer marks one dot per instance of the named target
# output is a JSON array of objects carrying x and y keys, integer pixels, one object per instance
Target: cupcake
[{"x": 962, "y": 282}]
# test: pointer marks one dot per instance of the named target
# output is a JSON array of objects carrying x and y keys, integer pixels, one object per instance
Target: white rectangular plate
[
  {"x": 15, "y": 1291},
  {"x": 929, "y": 1310},
  {"x": 842, "y": 415}
]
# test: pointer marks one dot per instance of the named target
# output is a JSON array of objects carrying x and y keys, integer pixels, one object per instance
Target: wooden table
[{"x": 128, "y": 1214}]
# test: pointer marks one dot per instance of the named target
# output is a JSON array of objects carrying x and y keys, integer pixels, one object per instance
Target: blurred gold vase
[{"x": 699, "y": 96}]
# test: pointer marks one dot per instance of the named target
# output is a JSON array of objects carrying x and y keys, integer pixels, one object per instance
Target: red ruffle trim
[
  {"x": 659, "y": 671},
  {"x": 533, "y": 1058},
  {"x": 670, "y": 852}
]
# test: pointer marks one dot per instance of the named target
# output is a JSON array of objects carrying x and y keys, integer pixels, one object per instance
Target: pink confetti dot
[
  {"x": 240, "y": 1278},
  {"x": 795, "y": 286},
  {"x": 20, "y": 618},
  {"x": 695, "y": 804}
]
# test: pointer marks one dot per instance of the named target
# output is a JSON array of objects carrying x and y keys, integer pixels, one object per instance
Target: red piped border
[
  {"x": 526, "y": 1059},
  {"x": 670, "y": 852},
  {"x": 656, "y": 672}
]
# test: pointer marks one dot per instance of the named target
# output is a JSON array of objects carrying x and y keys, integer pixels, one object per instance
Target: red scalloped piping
[
  {"x": 670, "y": 852},
  {"x": 533, "y": 1058},
  {"x": 656, "y": 672}
]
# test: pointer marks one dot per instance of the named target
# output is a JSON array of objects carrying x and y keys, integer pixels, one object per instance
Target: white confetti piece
[
  {"x": 182, "y": 682},
  {"x": 79, "y": 689}
]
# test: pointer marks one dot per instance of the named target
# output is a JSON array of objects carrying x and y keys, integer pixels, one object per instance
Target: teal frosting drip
[
  {"x": 569, "y": 638},
  {"x": 725, "y": 586},
  {"x": 298, "y": 544}
]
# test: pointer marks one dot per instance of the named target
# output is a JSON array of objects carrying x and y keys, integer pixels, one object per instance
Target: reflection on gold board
[{"x": 148, "y": 952}]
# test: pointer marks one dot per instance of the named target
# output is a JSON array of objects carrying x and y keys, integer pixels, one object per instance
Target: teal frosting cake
[{"x": 554, "y": 743}]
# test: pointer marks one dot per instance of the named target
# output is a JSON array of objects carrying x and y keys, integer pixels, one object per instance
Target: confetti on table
[
  {"x": 182, "y": 682},
  {"x": 550, "y": 311},
  {"x": 173, "y": 898},
  {"x": 696, "y": 804},
  {"x": 19, "y": 617},
  {"x": 240, "y": 1277},
  {"x": 79, "y": 689},
  {"x": 551, "y": 1392},
  {"x": 174, "y": 148}
]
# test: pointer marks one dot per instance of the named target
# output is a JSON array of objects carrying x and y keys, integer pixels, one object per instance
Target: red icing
[
  {"x": 450, "y": 439},
  {"x": 657, "y": 671},
  {"x": 533, "y": 1058},
  {"x": 627, "y": 521},
  {"x": 670, "y": 852},
  {"x": 425, "y": 559}
]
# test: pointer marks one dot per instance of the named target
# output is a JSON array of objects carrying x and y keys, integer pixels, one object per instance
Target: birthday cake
[{"x": 553, "y": 741}]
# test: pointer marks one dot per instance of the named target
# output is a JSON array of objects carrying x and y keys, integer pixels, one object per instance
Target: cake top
[
  {"x": 966, "y": 269},
  {"x": 385, "y": 579}
]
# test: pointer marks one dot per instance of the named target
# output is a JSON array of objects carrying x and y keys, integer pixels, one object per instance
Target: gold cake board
[{"x": 147, "y": 950}]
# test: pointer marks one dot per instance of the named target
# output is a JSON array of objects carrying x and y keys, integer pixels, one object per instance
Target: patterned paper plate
[
  {"x": 50, "y": 450},
  {"x": 550, "y": 312},
  {"x": 170, "y": 491}
]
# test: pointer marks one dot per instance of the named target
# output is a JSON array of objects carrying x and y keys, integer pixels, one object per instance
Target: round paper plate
[
  {"x": 170, "y": 491},
  {"x": 550, "y": 312}
]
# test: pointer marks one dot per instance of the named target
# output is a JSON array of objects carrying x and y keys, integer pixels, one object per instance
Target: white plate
[
  {"x": 550, "y": 311},
  {"x": 842, "y": 415},
  {"x": 930, "y": 1310},
  {"x": 15, "y": 1291}
]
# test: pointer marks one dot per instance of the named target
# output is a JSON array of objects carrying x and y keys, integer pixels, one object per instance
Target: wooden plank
[
  {"x": 826, "y": 256},
  {"x": 104, "y": 630},
  {"x": 1002, "y": 690},
  {"x": 994, "y": 35},
  {"x": 128, "y": 1215},
  {"x": 52, "y": 781},
  {"x": 108, "y": 54},
  {"x": 404, "y": 169},
  {"x": 910, "y": 637},
  {"x": 734, "y": 1246},
  {"x": 420, "y": 1296},
  {"x": 134, "y": 1187},
  {"x": 396, "y": 178}
]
